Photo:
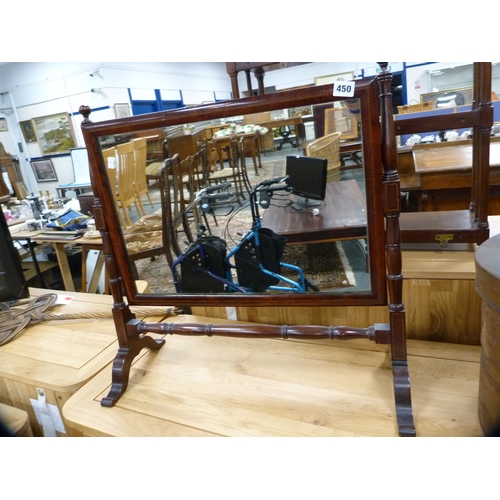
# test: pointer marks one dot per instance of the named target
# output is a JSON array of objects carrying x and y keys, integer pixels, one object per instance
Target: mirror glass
[{"x": 310, "y": 233}]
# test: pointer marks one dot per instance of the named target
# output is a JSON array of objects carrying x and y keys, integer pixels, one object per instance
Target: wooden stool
[
  {"x": 488, "y": 287},
  {"x": 17, "y": 421}
]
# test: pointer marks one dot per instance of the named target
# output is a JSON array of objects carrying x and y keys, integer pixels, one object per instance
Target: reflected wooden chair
[
  {"x": 144, "y": 238},
  {"x": 173, "y": 200},
  {"x": 236, "y": 173},
  {"x": 140, "y": 183},
  {"x": 125, "y": 176},
  {"x": 111, "y": 161},
  {"x": 194, "y": 176},
  {"x": 250, "y": 148}
]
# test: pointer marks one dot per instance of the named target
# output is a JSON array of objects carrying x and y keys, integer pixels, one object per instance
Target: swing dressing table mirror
[{"x": 380, "y": 186}]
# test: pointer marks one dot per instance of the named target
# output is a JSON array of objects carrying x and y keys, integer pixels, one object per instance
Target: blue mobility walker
[{"x": 253, "y": 265}]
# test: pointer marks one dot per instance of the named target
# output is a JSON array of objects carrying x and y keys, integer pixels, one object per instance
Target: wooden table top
[
  {"x": 342, "y": 217},
  {"x": 227, "y": 138},
  {"x": 24, "y": 234},
  {"x": 91, "y": 243},
  {"x": 221, "y": 386},
  {"x": 442, "y": 157},
  {"x": 282, "y": 122},
  {"x": 62, "y": 355}
]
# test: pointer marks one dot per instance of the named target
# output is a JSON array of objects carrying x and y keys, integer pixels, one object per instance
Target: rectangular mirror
[{"x": 312, "y": 241}]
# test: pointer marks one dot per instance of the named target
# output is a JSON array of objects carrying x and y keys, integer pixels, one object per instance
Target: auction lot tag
[{"x": 343, "y": 89}]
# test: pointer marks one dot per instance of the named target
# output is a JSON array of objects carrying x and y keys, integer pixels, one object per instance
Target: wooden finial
[
  {"x": 383, "y": 66},
  {"x": 85, "y": 112}
]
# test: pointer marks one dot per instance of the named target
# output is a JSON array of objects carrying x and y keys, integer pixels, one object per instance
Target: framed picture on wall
[
  {"x": 324, "y": 80},
  {"x": 44, "y": 170},
  {"x": 449, "y": 98},
  {"x": 55, "y": 133},
  {"x": 122, "y": 110},
  {"x": 28, "y": 131},
  {"x": 3, "y": 125}
]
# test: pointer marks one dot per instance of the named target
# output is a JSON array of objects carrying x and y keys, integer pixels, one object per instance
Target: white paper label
[
  {"x": 48, "y": 415},
  {"x": 343, "y": 89},
  {"x": 63, "y": 300},
  {"x": 231, "y": 313}
]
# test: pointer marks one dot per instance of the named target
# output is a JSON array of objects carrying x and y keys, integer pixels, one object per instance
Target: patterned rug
[{"x": 324, "y": 264}]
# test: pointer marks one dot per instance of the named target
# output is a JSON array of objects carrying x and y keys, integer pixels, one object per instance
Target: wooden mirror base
[{"x": 134, "y": 331}]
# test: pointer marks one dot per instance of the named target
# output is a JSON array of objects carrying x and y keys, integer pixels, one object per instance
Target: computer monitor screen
[
  {"x": 12, "y": 281},
  {"x": 307, "y": 178}
]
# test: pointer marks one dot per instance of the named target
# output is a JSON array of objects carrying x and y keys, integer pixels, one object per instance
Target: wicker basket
[
  {"x": 327, "y": 147},
  {"x": 415, "y": 108}
]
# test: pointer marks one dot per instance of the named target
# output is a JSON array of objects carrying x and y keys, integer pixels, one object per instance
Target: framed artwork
[
  {"x": 55, "y": 133},
  {"x": 449, "y": 98},
  {"x": 122, "y": 110},
  {"x": 3, "y": 125},
  {"x": 44, "y": 170},
  {"x": 324, "y": 80},
  {"x": 28, "y": 131}
]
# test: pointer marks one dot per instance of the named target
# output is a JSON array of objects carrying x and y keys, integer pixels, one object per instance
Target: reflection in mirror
[
  {"x": 269, "y": 202},
  {"x": 231, "y": 174}
]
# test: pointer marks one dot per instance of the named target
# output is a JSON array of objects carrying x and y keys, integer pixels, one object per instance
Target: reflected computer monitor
[{"x": 307, "y": 178}]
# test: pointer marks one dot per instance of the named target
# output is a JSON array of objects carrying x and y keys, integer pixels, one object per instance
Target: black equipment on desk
[
  {"x": 12, "y": 280},
  {"x": 307, "y": 177}
]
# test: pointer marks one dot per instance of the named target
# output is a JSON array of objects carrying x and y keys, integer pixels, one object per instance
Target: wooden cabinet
[
  {"x": 10, "y": 165},
  {"x": 438, "y": 177},
  {"x": 185, "y": 145}
]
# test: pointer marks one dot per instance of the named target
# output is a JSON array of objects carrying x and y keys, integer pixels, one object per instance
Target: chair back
[
  {"x": 140, "y": 162},
  {"x": 111, "y": 161},
  {"x": 125, "y": 176},
  {"x": 173, "y": 201}
]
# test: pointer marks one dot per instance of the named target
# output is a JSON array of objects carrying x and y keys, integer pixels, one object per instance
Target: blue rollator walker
[{"x": 253, "y": 265}]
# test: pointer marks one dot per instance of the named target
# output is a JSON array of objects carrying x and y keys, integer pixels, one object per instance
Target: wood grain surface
[{"x": 257, "y": 387}]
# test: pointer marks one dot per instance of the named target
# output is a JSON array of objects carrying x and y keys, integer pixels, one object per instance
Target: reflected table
[
  {"x": 251, "y": 147},
  {"x": 342, "y": 217},
  {"x": 86, "y": 244}
]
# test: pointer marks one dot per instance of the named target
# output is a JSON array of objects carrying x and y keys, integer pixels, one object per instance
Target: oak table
[
  {"x": 222, "y": 386},
  {"x": 59, "y": 245},
  {"x": 50, "y": 360}
]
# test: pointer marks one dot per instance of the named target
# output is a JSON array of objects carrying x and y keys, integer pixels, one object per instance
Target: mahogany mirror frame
[{"x": 366, "y": 90}]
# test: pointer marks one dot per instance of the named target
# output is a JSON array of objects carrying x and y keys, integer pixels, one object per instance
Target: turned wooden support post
[
  {"x": 130, "y": 343},
  {"x": 259, "y": 74},
  {"x": 392, "y": 209},
  {"x": 233, "y": 75},
  {"x": 114, "y": 276},
  {"x": 481, "y": 143},
  {"x": 249, "y": 82}
]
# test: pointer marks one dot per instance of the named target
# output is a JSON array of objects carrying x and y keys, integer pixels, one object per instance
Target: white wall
[
  {"x": 297, "y": 76},
  {"x": 30, "y": 90},
  {"x": 417, "y": 78}
]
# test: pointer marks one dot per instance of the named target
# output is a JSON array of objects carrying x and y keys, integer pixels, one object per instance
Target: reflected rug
[{"x": 324, "y": 264}]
